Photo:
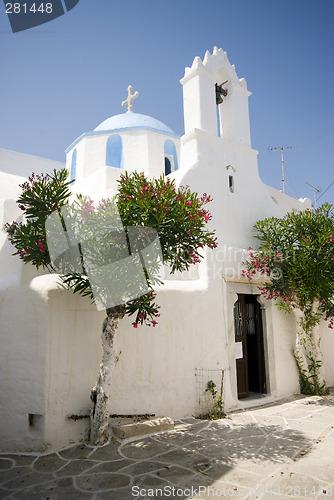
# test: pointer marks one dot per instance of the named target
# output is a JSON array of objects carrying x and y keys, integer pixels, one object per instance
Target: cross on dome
[{"x": 130, "y": 98}]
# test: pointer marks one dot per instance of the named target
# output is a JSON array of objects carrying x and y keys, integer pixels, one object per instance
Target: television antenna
[
  {"x": 315, "y": 191},
  {"x": 282, "y": 160}
]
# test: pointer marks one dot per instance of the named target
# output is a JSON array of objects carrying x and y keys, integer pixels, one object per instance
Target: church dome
[{"x": 131, "y": 120}]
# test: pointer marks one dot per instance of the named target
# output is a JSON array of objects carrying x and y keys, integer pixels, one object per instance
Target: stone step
[{"x": 137, "y": 429}]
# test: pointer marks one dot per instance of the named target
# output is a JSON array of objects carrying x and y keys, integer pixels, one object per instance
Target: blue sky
[{"x": 65, "y": 77}]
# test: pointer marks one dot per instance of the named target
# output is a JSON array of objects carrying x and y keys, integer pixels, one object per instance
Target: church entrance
[{"x": 251, "y": 377}]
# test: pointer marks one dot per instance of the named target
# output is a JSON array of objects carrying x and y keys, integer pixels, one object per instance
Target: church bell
[{"x": 220, "y": 92}]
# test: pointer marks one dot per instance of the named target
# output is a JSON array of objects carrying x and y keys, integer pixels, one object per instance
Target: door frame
[{"x": 232, "y": 288}]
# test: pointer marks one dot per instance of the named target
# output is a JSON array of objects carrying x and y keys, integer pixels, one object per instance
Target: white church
[{"x": 214, "y": 324}]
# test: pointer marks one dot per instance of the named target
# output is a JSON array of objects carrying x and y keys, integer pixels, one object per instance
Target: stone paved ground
[{"x": 283, "y": 450}]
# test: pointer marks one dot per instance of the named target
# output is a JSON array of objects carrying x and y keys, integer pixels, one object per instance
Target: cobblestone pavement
[{"x": 282, "y": 450}]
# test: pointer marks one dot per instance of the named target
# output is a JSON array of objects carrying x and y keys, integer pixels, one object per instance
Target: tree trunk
[
  {"x": 308, "y": 354},
  {"x": 99, "y": 414},
  {"x": 300, "y": 353}
]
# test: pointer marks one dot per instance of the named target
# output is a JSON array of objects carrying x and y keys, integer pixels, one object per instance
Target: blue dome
[{"x": 130, "y": 120}]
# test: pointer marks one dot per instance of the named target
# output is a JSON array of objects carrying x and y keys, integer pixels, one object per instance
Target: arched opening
[
  {"x": 170, "y": 157},
  {"x": 73, "y": 165},
  {"x": 114, "y": 152},
  {"x": 168, "y": 165},
  {"x": 221, "y": 93}
]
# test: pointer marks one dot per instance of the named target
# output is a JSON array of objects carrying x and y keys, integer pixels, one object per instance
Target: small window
[
  {"x": 73, "y": 165},
  {"x": 114, "y": 152},
  {"x": 231, "y": 183},
  {"x": 170, "y": 157}
]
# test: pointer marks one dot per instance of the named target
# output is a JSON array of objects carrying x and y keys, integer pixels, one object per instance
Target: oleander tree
[
  {"x": 148, "y": 222},
  {"x": 295, "y": 257}
]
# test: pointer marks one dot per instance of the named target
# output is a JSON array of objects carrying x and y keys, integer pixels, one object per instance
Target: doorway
[{"x": 249, "y": 349}]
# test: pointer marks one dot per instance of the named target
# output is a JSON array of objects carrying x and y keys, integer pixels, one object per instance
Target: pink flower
[
  {"x": 189, "y": 203},
  {"x": 206, "y": 198},
  {"x": 190, "y": 215},
  {"x": 40, "y": 245},
  {"x": 135, "y": 325}
]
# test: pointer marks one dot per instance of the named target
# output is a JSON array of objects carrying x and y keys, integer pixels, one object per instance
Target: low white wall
[{"x": 23, "y": 164}]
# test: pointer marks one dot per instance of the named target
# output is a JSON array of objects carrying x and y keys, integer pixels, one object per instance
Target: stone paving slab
[{"x": 283, "y": 450}]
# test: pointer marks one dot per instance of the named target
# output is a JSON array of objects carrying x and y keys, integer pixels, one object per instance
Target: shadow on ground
[
  {"x": 228, "y": 453},
  {"x": 191, "y": 461}
]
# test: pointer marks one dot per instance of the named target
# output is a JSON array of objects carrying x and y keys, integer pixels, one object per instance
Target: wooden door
[
  {"x": 241, "y": 347},
  {"x": 250, "y": 361}
]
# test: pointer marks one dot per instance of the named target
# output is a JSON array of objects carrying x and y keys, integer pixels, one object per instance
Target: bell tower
[{"x": 230, "y": 118}]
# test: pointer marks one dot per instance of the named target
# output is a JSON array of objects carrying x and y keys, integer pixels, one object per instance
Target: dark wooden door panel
[
  {"x": 242, "y": 378},
  {"x": 241, "y": 336}
]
